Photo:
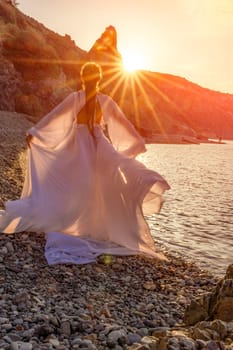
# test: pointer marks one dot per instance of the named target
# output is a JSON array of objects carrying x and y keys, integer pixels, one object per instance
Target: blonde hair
[{"x": 91, "y": 73}]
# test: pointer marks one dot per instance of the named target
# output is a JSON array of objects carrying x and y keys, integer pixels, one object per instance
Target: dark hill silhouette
[{"x": 39, "y": 67}]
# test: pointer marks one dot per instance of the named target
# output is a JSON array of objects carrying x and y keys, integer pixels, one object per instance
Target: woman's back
[{"x": 83, "y": 116}]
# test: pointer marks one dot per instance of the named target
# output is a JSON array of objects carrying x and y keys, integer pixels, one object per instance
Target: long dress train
[{"x": 86, "y": 193}]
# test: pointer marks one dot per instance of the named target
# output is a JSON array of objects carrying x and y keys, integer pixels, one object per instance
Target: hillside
[{"x": 40, "y": 67}]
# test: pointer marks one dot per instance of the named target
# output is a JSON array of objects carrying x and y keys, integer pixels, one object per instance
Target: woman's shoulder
[
  {"x": 105, "y": 100},
  {"x": 103, "y": 96},
  {"x": 71, "y": 96}
]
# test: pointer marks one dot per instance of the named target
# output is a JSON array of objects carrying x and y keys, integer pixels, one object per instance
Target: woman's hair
[{"x": 91, "y": 73}]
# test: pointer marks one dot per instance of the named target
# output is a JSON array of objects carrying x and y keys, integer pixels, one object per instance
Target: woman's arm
[
  {"x": 123, "y": 134},
  {"x": 56, "y": 126}
]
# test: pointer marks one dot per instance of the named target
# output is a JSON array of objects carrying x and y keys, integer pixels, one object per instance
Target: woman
[{"x": 83, "y": 188}]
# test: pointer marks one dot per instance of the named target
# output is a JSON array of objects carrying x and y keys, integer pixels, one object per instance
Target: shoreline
[
  {"x": 70, "y": 304},
  {"x": 181, "y": 139}
]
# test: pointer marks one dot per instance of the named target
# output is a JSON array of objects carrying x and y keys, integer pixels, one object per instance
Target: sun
[{"x": 132, "y": 61}]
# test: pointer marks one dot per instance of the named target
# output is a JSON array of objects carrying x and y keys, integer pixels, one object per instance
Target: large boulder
[{"x": 217, "y": 304}]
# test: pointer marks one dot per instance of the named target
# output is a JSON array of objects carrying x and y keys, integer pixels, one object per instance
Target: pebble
[
  {"x": 20, "y": 346},
  {"x": 3, "y": 320},
  {"x": 9, "y": 247},
  {"x": 116, "y": 337},
  {"x": 133, "y": 338},
  {"x": 54, "y": 341}
]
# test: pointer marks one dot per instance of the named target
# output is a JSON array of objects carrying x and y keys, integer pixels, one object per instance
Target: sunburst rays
[
  {"x": 123, "y": 86},
  {"x": 144, "y": 83},
  {"x": 128, "y": 86},
  {"x": 131, "y": 85}
]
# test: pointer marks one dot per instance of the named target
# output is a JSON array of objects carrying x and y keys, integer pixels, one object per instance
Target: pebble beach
[
  {"x": 134, "y": 303},
  {"x": 114, "y": 302}
]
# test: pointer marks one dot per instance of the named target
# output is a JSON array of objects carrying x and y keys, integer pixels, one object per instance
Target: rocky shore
[
  {"x": 134, "y": 303},
  {"x": 116, "y": 303}
]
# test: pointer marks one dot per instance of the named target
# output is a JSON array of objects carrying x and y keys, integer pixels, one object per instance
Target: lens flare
[{"x": 132, "y": 61}]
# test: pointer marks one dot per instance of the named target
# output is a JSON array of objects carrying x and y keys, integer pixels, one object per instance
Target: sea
[{"x": 196, "y": 220}]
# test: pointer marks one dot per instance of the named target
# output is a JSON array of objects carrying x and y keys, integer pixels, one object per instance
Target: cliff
[{"x": 38, "y": 67}]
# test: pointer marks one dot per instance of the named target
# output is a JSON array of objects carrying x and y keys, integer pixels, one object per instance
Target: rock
[
  {"x": 54, "y": 321},
  {"x": 76, "y": 341},
  {"x": 160, "y": 332},
  {"x": 223, "y": 308},
  {"x": 14, "y": 346},
  {"x": 25, "y": 346},
  {"x": 201, "y": 334},
  {"x": 149, "y": 307},
  {"x": 3, "y": 251},
  {"x": 195, "y": 312},
  {"x": 212, "y": 345},
  {"x": 116, "y": 337},
  {"x": 220, "y": 327},
  {"x": 9, "y": 247},
  {"x": 151, "y": 342},
  {"x": 13, "y": 337},
  {"x": 87, "y": 344},
  {"x": 44, "y": 330},
  {"x": 20, "y": 346},
  {"x": 149, "y": 285},
  {"x": 171, "y": 344},
  {"x": 65, "y": 328},
  {"x": 118, "y": 347},
  {"x": 53, "y": 340},
  {"x": 28, "y": 334},
  {"x": 3, "y": 320},
  {"x": 217, "y": 304},
  {"x": 187, "y": 343},
  {"x": 200, "y": 343},
  {"x": 133, "y": 338},
  {"x": 143, "y": 332}
]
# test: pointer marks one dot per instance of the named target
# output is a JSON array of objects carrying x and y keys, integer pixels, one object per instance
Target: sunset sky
[{"x": 189, "y": 38}]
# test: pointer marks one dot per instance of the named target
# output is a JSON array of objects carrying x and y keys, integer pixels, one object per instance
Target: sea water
[{"x": 196, "y": 220}]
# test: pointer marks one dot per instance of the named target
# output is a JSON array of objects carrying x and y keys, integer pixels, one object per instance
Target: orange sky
[{"x": 189, "y": 38}]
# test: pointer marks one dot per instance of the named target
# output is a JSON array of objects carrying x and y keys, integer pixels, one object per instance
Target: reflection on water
[{"x": 197, "y": 218}]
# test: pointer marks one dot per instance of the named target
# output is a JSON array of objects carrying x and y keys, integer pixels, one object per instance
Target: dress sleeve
[
  {"x": 122, "y": 133},
  {"x": 54, "y": 128}
]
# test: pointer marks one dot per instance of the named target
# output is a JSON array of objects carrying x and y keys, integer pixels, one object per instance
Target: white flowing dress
[{"x": 86, "y": 193}]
